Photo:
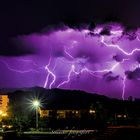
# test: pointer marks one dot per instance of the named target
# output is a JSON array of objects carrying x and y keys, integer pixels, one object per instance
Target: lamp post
[{"x": 36, "y": 104}]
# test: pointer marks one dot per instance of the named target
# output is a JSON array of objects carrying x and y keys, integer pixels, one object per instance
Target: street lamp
[{"x": 36, "y": 104}]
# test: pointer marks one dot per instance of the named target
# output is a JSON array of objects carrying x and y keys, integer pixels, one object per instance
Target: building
[
  {"x": 4, "y": 100},
  {"x": 65, "y": 113},
  {"x": 68, "y": 118}
]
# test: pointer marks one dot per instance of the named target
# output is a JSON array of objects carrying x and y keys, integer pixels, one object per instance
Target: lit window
[
  {"x": 77, "y": 112},
  {"x": 119, "y": 116},
  {"x": 124, "y": 116}
]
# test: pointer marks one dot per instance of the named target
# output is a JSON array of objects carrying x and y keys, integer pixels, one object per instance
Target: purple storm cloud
[{"x": 104, "y": 60}]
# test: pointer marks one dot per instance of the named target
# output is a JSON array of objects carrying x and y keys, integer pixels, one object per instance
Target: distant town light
[
  {"x": 77, "y": 112},
  {"x": 124, "y": 116},
  {"x": 7, "y": 126},
  {"x": 1, "y": 112},
  {"x": 91, "y": 111},
  {"x": 119, "y": 116},
  {"x": 4, "y": 114}
]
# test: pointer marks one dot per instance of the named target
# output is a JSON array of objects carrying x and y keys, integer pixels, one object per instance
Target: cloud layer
[{"x": 103, "y": 60}]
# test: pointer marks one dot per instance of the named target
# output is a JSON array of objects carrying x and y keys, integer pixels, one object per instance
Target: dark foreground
[{"x": 111, "y": 133}]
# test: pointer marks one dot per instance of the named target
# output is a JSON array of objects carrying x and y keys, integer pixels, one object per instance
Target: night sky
[{"x": 90, "y": 45}]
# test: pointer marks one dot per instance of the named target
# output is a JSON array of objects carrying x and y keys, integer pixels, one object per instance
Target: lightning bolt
[
  {"x": 68, "y": 78},
  {"x": 117, "y": 32},
  {"x": 28, "y": 61},
  {"x": 107, "y": 70},
  {"x": 49, "y": 72},
  {"x": 124, "y": 52},
  {"x": 17, "y": 70},
  {"x": 124, "y": 85},
  {"x": 118, "y": 47},
  {"x": 85, "y": 69},
  {"x": 46, "y": 68},
  {"x": 66, "y": 52}
]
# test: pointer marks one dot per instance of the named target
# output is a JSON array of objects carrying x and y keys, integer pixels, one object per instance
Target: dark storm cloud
[
  {"x": 110, "y": 77},
  {"x": 105, "y": 31},
  {"x": 138, "y": 58},
  {"x": 14, "y": 48},
  {"x": 133, "y": 74},
  {"x": 25, "y": 17},
  {"x": 130, "y": 34},
  {"x": 118, "y": 58}
]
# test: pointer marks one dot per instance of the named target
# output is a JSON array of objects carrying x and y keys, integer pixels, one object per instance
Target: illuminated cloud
[{"x": 104, "y": 60}]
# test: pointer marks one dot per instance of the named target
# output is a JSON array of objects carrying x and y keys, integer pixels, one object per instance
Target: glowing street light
[{"x": 36, "y": 104}]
